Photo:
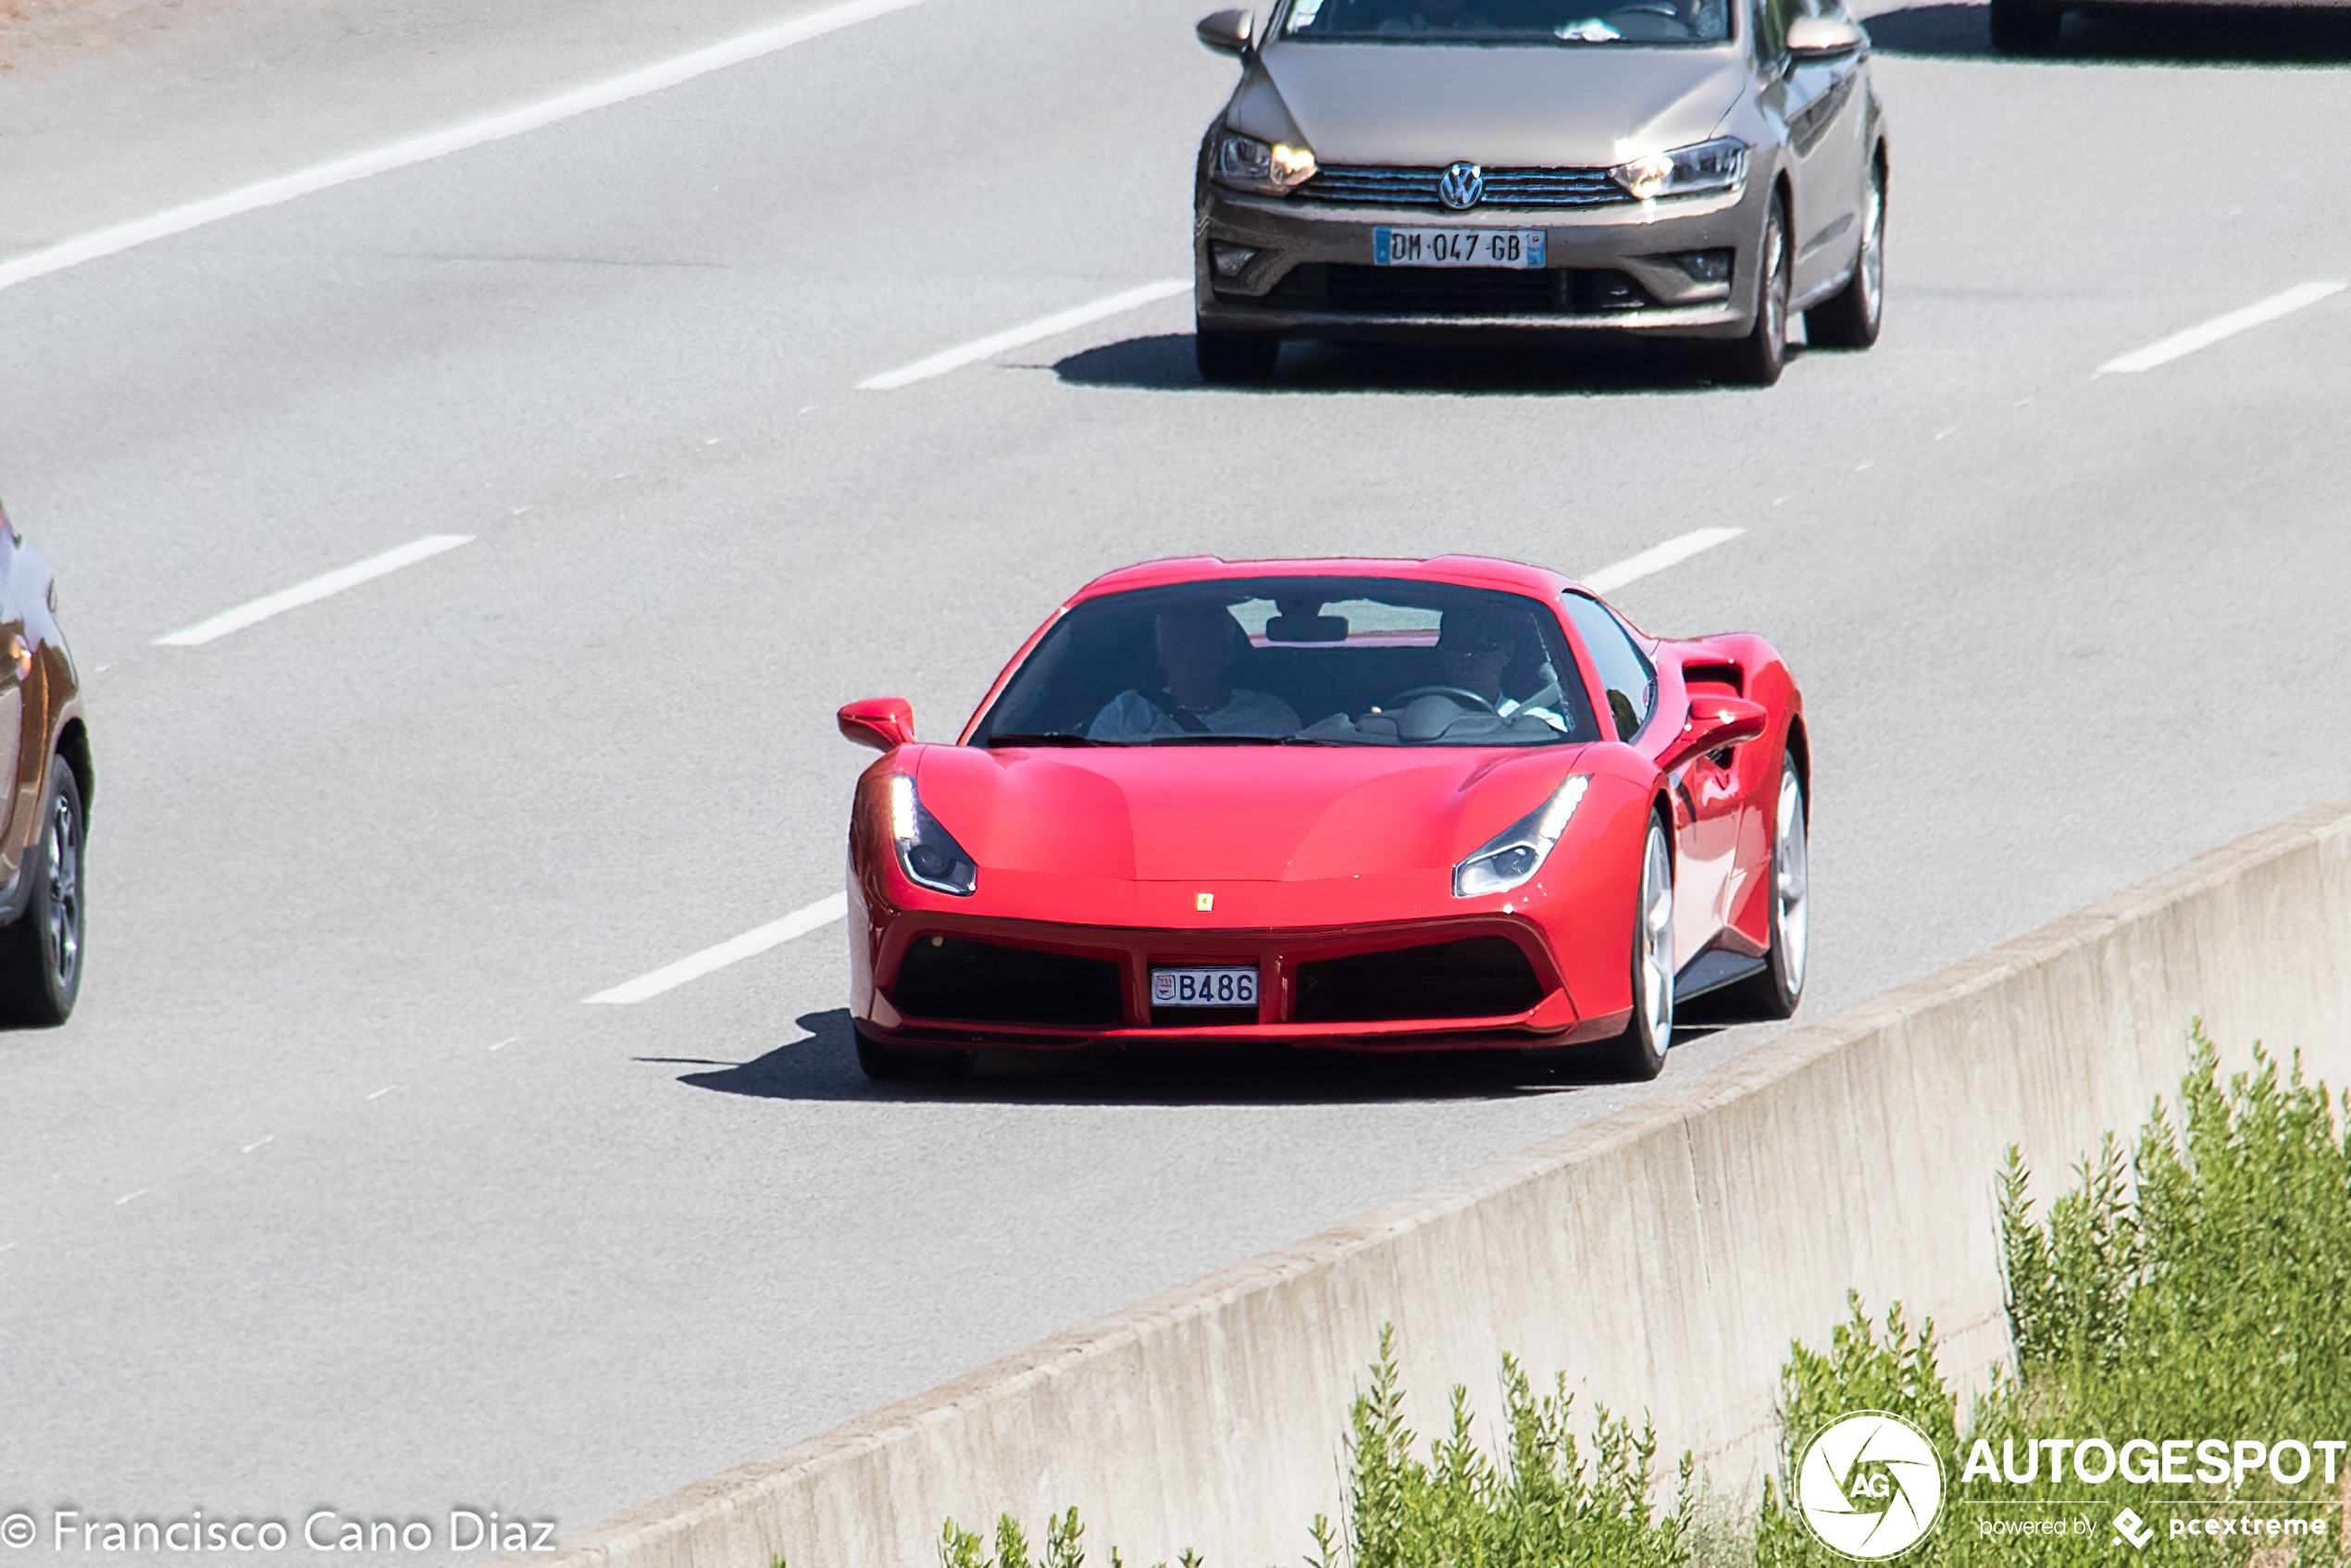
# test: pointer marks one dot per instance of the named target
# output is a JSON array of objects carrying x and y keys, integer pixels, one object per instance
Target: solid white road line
[
  {"x": 265, "y": 1139},
  {"x": 2180, "y": 344},
  {"x": 1672, "y": 552},
  {"x": 1052, "y": 326},
  {"x": 381, "y": 1092},
  {"x": 799, "y": 923},
  {"x": 310, "y": 592},
  {"x": 130, "y": 1197},
  {"x": 439, "y": 143}
]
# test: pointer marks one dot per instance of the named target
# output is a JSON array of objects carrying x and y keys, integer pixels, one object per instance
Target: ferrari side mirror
[
  {"x": 1227, "y": 33},
  {"x": 1825, "y": 38},
  {"x": 1714, "y": 723},
  {"x": 883, "y": 722}
]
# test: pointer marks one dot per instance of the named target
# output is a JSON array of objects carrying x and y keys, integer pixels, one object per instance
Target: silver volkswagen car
[{"x": 1697, "y": 168}]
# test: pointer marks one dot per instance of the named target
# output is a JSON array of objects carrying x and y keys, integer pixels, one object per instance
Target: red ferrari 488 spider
[{"x": 1355, "y": 804}]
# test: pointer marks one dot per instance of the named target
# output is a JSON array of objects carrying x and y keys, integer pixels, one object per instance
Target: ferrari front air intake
[{"x": 1476, "y": 978}]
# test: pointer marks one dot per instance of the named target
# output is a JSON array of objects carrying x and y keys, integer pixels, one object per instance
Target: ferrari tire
[
  {"x": 1639, "y": 1052},
  {"x": 1775, "y": 993},
  {"x": 1851, "y": 317},
  {"x": 40, "y": 954},
  {"x": 911, "y": 1064},
  {"x": 2026, "y": 27},
  {"x": 1235, "y": 359},
  {"x": 1757, "y": 359}
]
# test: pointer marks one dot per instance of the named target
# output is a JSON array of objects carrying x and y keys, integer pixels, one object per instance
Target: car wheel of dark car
[
  {"x": 2026, "y": 27},
  {"x": 1230, "y": 359},
  {"x": 1849, "y": 319},
  {"x": 1639, "y": 1051},
  {"x": 1757, "y": 359},
  {"x": 1775, "y": 993},
  {"x": 40, "y": 954},
  {"x": 906, "y": 1064}
]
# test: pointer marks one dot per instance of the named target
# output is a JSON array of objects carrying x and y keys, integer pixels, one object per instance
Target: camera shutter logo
[{"x": 1870, "y": 1486}]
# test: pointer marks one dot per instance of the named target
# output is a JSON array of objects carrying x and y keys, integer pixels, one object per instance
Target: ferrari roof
[{"x": 1469, "y": 571}]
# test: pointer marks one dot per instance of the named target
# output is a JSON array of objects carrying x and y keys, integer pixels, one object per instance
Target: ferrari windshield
[
  {"x": 1510, "y": 21},
  {"x": 1300, "y": 661}
]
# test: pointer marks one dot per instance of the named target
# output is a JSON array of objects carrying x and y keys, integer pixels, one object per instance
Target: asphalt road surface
[{"x": 337, "y": 1193}]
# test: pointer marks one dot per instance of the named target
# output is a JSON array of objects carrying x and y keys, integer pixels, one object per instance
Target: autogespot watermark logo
[{"x": 1870, "y": 1486}]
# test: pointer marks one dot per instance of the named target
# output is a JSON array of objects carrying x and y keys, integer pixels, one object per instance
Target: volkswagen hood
[{"x": 1425, "y": 106}]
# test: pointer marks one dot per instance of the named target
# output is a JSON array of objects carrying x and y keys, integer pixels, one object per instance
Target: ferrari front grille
[
  {"x": 953, "y": 979},
  {"x": 1365, "y": 185},
  {"x": 1476, "y": 978}
]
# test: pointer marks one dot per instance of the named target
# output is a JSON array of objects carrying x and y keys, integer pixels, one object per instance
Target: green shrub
[
  {"x": 2196, "y": 1290},
  {"x": 2201, "y": 1288},
  {"x": 1540, "y": 1504}
]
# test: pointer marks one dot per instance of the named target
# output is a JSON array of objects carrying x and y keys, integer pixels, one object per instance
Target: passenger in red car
[{"x": 1197, "y": 645}]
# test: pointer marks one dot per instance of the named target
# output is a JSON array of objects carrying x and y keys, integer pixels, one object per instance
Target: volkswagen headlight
[
  {"x": 927, "y": 853},
  {"x": 1718, "y": 164},
  {"x": 1517, "y": 852},
  {"x": 1247, "y": 163}
]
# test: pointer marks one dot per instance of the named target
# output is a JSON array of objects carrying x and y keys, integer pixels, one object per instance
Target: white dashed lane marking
[
  {"x": 1045, "y": 327},
  {"x": 2220, "y": 328},
  {"x": 751, "y": 943},
  {"x": 322, "y": 587},
  {"x": 439, "y": 143},
  {"x": 1672, "y": 552}
]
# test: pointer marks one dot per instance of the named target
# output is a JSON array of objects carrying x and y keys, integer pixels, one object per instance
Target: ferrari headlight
[
  {"x": 1247, "y": 163},
  {"x": 1517, "y": 852},
  {"x": 1720, "y": 165},
  {"x": 927, "y": 853}
]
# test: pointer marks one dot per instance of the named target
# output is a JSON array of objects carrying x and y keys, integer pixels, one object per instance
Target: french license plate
[
  {"x": 1457, "y": 247},
  {"x": 1204, "y": 987}
]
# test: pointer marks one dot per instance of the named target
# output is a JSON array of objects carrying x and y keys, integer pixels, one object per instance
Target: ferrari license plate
[
  {"x": 1457, "y": 247},
  {"x": 1204, "y": 987}
]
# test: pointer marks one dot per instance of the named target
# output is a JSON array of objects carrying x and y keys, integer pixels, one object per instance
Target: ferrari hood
[
  {"x": 1260, "y": 814},
  {"x": 1424, "y": 106}
]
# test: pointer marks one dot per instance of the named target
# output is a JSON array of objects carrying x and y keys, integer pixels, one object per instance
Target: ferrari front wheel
[
  {"x": 1775, "y": 991},
  {"x": 1639, "y": 1051},
  {"x": 910, "y": 1064}
]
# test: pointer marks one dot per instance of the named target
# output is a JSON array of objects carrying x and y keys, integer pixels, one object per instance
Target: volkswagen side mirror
[
  {"x": 1227, "y": 33},
  {"x": 883, "y": 722},
  {"x": 1714, "y": 723},
  {"x": 1822, "y": 38}
]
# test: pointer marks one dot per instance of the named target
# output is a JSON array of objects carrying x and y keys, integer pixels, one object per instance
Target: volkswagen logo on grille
[{"x": 1462, "y": 186}]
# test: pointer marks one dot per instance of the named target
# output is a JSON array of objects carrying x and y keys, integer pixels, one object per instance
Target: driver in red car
[
  {"x": 1476, "y": 648},
  {"x": 1197, "y": 645}
]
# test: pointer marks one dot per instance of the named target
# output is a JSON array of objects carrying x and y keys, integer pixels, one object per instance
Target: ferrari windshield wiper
[
  {"x": 1051, "y": 738},
  {"x": 1214, "y": 741}
]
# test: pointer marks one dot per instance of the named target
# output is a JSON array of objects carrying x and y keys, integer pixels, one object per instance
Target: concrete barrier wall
[{"x": 1664, "y": 1256}]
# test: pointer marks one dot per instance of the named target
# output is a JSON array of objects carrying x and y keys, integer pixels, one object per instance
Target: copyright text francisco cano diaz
[{"x": 66, "y": 1531}]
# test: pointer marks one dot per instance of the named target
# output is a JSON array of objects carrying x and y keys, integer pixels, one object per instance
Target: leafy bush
[
  {"x": 1542, "y": 1505},
  {"x": 2196, "y": 1290},
  {"x": 2202, "y": 1287}
]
